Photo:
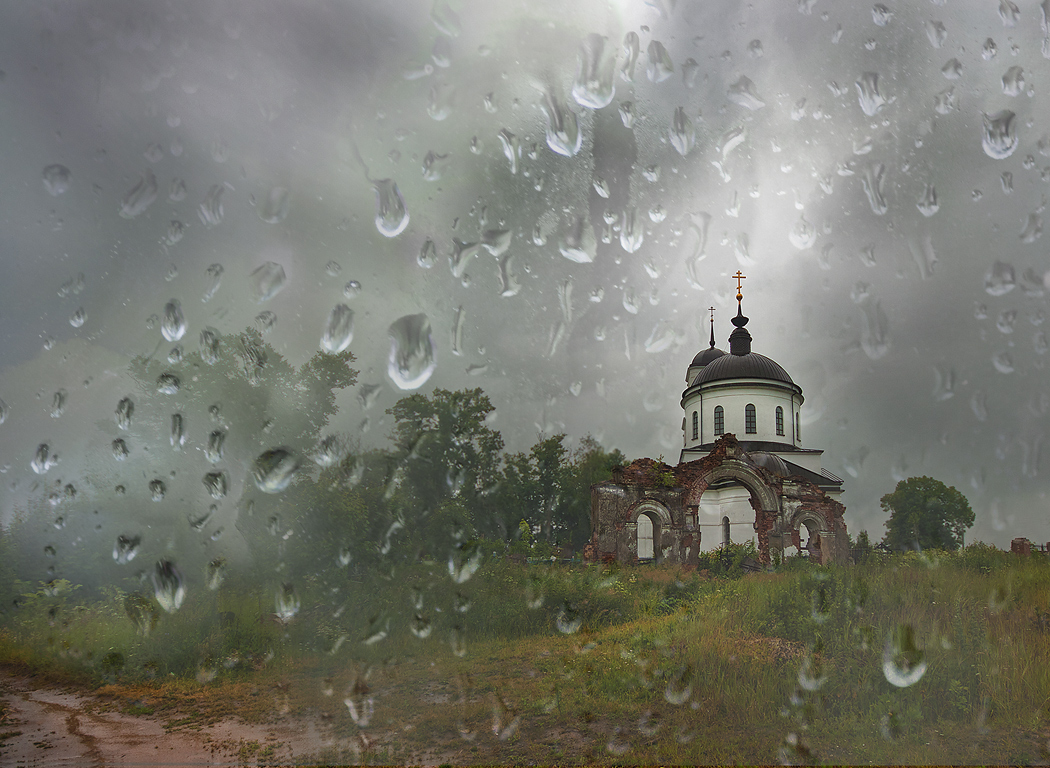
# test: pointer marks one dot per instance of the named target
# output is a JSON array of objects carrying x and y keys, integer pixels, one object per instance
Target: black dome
[
  {"x": 705, "y": 356},
  {"x": 749, "y": 366}
]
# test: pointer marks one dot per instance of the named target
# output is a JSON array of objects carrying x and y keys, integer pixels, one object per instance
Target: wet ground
[{"x": 52, "y": 727}]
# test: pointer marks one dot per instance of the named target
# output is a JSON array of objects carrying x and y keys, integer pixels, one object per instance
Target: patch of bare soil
[{"x": 45, "y": 727}]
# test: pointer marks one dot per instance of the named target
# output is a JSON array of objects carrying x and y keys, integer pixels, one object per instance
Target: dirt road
[{"x": 51, "y": 727}]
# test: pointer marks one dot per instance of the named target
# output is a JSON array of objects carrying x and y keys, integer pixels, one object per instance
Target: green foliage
[
  {"x": 927, "y": 514},
  {"x": 443, "y": 449},
  {"x": 728, "y": 559}
]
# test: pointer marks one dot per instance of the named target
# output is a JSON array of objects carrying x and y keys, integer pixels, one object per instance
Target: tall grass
[{"x": 636, "y": 664}]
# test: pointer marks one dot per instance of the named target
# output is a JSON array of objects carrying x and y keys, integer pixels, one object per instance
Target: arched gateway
[
  {"x": 767, "y": 486},
  {"x": 787, "y": 511}
]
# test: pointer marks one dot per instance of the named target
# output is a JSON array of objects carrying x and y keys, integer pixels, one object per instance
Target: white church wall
[
  {"x": 733, "y": 401},
  {"x": 718, "y": 503}
]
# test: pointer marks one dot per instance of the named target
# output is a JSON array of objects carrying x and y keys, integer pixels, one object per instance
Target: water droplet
[
  {"x": 1013, "y": 81},
  {"x": 360, "y": 704},
  {"x": 1009, "y": 13},
  {"x": 874, "y": 337},
  {"x": 445, "y": 19},
  {"x": 952, "y": 69},
  {"x": 464, "y": 562},
  {"x": 626, "y": 112},
  {"x": 593, "y": 87},
  {"x": 511, "y": 151},
  {"x": 275, "y": 207},
  {"x": 563, "y": 131},
  {"x": 286, "y": 603},
  {"x": 5, "y": 410},
  {"x": 210, "y": 210},
  {"x": 142, "y": 613},
  {"x": 58, "y": 403},
  {"x": 660, "y": 66},
  {"x": 214, "y": 576},
  {"x": 811, "y": 675},
  {"x": 632, "y": 232},
  {"x": 56, "y": 179},
  {"x": 743, "y": 92},
  {"x": 631, "y": 47},
  {"x": 43, "y": 459},
  {"x": 989, "y": 50},
  {"x": 339, "y": 330},
  {"x": 569, "y": 619},
  {"x": 411, "y": 361},
  {"x": 458, "y": 640},
  {"x": 139, "y": 197},
  {"x": 120, "y": 449},
  {"x": 266, "y": 282},
  {"x": 125, "y": 410},
  {"x": 177, "y": 190},
  {"x": 1033, "y": 228},
  {"x": 803, "y": 234},
  {"x": 936, "y": 33},
  {"x": 173, "y": 324},
  {"x": 999, "y": 138},
  {"x": 903, "y": 662},
  {"x": 168, "y": 586},
  {"x": 1003, "y": 362},
  {"x": 176, "y": 231},
  {"x": 391, "y": 214},
  {"x": 215, "y": 484},
  {"x": 157, "y": 489},
  {"x": 679, "y": 685},
  {"x": 433, "y": 166},
  {"x": 871, "y": 101},
  {"x": 274, "y": 469},
  {"x": 682, "y": 133},
  {"x": 928, "y": 204},
  {"x": 168, "y": 384},
  {"x": 872, "y": 183},
  {"x": 577, "y": 242},
  {"x": 126, "y": 548},
  {"x": 1000, "y": 279}
]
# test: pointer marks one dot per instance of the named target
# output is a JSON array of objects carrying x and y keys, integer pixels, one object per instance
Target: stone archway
[
  {"x": 647, "y": 522},
  {"x": 764, "y": 498}
]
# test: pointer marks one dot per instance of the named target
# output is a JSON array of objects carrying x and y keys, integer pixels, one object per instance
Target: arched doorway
[{"x": 646, "y": 538}]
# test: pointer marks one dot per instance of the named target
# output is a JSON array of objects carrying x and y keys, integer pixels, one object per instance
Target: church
[{"x": 743, "y": 473}]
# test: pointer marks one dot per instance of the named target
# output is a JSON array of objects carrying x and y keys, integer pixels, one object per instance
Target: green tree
[
  {"x": 443, "y": 450},
  {"x": 534, "y": 486},
  {"x": 926, "y": 513}
]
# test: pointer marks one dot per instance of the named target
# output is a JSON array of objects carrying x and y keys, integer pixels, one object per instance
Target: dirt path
[{"x": 46, "y": 727}]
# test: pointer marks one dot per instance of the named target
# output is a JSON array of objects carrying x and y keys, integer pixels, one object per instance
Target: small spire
[
  {"x": 740, "y": 339},
  {"x": 712, "y": 327}
]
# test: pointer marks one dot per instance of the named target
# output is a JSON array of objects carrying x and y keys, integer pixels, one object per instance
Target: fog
[{"x": 879, "y": 175}]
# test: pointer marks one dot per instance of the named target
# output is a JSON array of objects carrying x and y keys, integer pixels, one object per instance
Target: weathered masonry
[{"x": 724, "y": 489}]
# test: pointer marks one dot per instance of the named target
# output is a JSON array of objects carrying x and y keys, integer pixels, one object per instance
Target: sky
[{"x": 879, "y": 173}]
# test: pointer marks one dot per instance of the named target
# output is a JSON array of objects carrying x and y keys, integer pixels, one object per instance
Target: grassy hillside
[{"x": 581, "y": 664}]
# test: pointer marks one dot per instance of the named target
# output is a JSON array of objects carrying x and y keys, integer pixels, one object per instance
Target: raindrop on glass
[
  {"x": 411, "y": 361},
  {"x": 56, "y": 179},
  {"x": 391, "y": 214},
  {"x": 139, "y": 197},
  {"x": 266, "y": 282},
  {"x": 274, "y": 469},
  {"x": 168, "y": 586},
  {"x": 173, "y": 324}
]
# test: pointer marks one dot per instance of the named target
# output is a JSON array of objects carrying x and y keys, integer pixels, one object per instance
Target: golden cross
[{"x": 739, "y": 277}]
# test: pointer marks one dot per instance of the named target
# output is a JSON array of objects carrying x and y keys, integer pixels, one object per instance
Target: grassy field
[{"x": 917, "y": 658}]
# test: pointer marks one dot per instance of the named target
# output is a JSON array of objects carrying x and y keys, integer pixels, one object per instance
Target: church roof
[
  {"x": 741, "y": 362},
  {"x": 750, "y": 365},
  {"x": 705, "y": 356}
]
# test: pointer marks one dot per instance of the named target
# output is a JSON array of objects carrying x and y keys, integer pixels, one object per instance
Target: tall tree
[
  {"x": 927, "y": 513},
  {"x": 443, "y": 450}
]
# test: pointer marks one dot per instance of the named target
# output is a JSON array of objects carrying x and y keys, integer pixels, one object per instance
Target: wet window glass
[{"x": 342, "y": 415}]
